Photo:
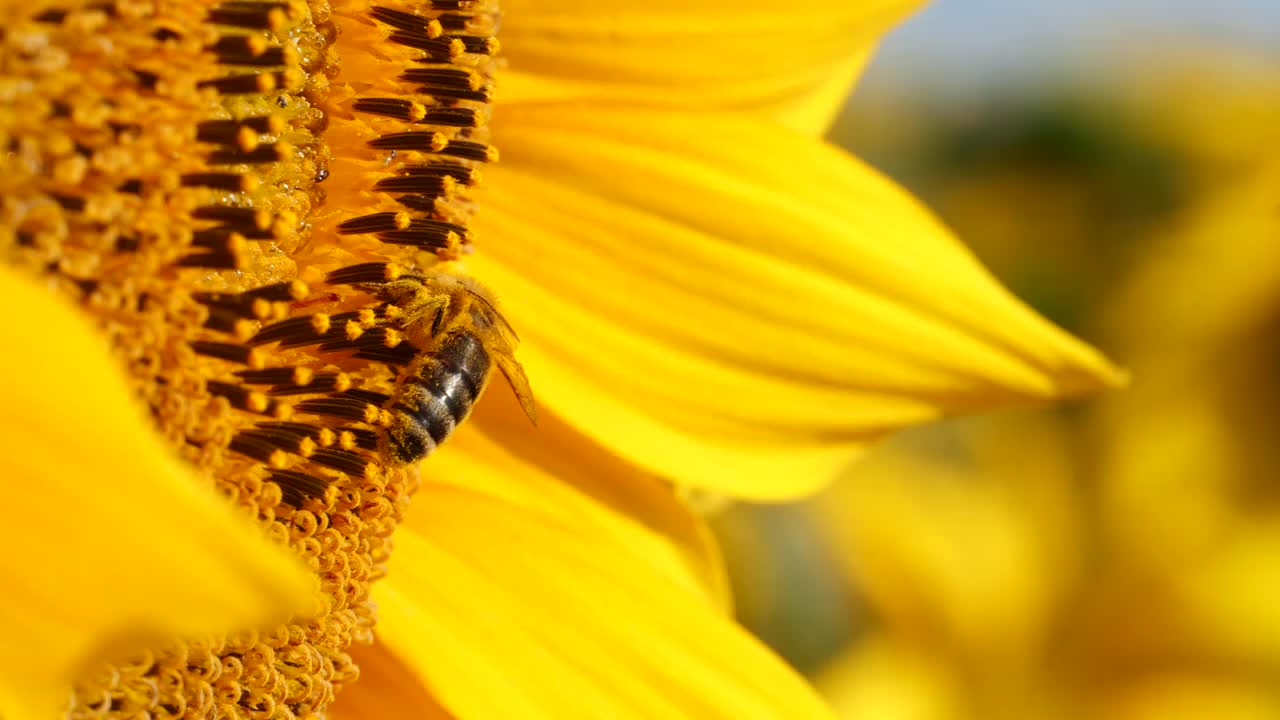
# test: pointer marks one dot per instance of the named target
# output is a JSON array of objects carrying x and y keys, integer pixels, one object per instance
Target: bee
[{"x": 453, "y": 320}]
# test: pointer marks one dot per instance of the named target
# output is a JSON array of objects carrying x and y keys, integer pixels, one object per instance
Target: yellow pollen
[
  {"x": 247, "y": 140},
  {"x": 320, "y": 323},
  {"x": 262, "y": 309},
  {"x": 244, "y": 329},
  {"x": 277, "y": 20},
  {"x": 257, "y": 402},
  {"x": 342, "y": 382}
]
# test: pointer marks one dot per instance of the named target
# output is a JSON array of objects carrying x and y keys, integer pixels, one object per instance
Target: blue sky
[{"x": 977, "y": 40}]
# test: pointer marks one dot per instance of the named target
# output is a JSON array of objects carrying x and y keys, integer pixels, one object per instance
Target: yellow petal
[
  {"x": 738, "y": 307},
  {"x": 109, "y": 540},
  {"x": 386, "y": 690},
  {"x": 793, "y": 62},
  {"x": 556, "y": 472},
  {"x": 506, "y": 613}
]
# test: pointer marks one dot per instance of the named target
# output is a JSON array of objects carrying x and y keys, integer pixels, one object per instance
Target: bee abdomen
[{"x": 439, "y": 396}]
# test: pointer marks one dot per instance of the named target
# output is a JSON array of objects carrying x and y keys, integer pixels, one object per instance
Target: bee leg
[
  {"x": 438, "y": 321},
  {"x": 426, "y": 310}
]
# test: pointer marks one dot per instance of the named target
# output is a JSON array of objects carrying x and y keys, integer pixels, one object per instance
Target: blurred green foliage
[{"x": 1055, "y": 190}]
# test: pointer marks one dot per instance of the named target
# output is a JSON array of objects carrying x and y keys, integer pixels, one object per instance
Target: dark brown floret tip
[
  {"x": 297, "y": 487},
  {"x": 250, "y": 15},
  {"x": 231, "y": 352},
  {"x": 372, "y": 272},
  {"x": 270, "y": 153},
  {"x": 425, "y": 141},
  {"x": 233, "y": 182},
  {"x": 405, "y": 21},
  {"x": 377, "y": 222},
  {"x": 231, "y": 131}
]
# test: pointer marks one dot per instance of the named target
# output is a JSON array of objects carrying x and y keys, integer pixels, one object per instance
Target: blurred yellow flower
[
  {"x": 998, "y": 591},
  {"x": 709, "y": 297},
  {"x": 1122, "y": 569}
]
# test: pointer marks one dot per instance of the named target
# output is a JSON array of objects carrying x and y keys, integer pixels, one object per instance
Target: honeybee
[{"x": 453, "y": 320}]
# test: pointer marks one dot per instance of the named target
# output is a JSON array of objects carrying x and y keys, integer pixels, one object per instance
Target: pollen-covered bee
[{"x": 452, "y": 319}]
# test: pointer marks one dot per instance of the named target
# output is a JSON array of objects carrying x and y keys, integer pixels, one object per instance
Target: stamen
[
  {"x": 297, "y": 487},
  {"x": 454, "y": 116},
  {"x": 340, "y": 407},
  {"x": 416, "y": 140},
  {"x": 254, "y": 16},
  {"x": 479, "y": 45},
  {"x": 397, "y": 356},
  {"x": 438, "y": 49},
  {"x": 372, "y": 272},
  {"x": 276, "y": 375},
  {"x": 406, "y": 21},
  {"x": 361, "y": 438},
  {"x": 230, "y": 352},
  {"x": 241, "y": 398},
  {"x": 321, "y": 383},
  {"x": 253, "y": 446},
  {"x": 342, "y": 461},
  {"x": 375, "y": 223},
  {"x": 234, "y": 182},
  {"x": 213, "y": 261},
  {"x": 293, "y": 330},
  {"x": 470, "y": 150},
  {"x": 392, "y": 107},
  {"x": 424, "y": 184},
  {"x": 227, "y": 132},
  {"x": 252, "y": 83},
  {"x": 444, "y": 77},
  {"x": 273, "y": 152}
]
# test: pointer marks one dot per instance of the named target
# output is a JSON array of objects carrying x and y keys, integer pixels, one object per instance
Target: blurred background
[{"x": 1116, "y": 165}]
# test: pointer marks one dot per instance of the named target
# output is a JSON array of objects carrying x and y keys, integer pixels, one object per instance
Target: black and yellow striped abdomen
[{"x": 438, "y": 393}]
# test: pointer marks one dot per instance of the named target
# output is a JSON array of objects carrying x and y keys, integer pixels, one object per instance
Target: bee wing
[
  {"x": 504, "y": 341},
  {"x": 519, "y": 383}
]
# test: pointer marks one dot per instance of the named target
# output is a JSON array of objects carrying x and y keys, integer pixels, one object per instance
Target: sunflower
[
  {"x": 1009, "y": 580},
  {"x": 1118, "y": 567},
  {"x": 710, "y": 299}
]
